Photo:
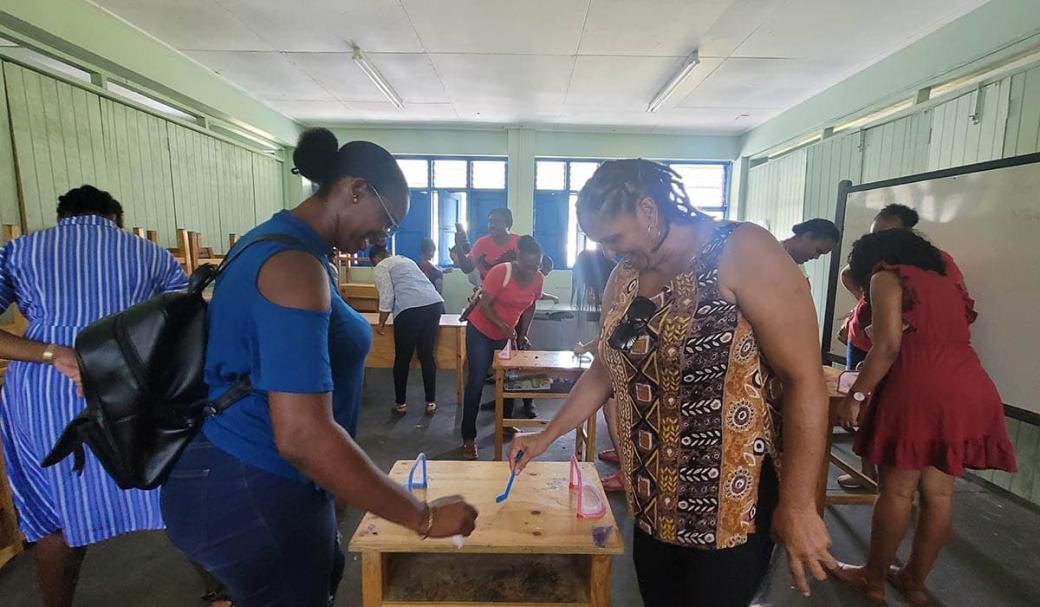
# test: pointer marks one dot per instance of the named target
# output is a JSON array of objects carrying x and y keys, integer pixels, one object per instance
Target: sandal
[
  {"x": 431, "y": 408},
  {"x": 856, "y": 578},
  {"x": 400, "y": 409},
  {"x": 609, "y": 455},
  {"x": 612, "y": 483},
  {"x": 469, "y": 451},
  {"x": 898, "y": 578}
]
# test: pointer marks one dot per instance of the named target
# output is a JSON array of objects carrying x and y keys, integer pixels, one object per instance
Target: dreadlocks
[{"x": 620, "y": 184}]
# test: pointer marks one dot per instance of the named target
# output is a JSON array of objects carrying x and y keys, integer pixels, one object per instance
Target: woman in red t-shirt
[
  {"x": 497, "y": 246},
  {"x": 510, "y": 291}
]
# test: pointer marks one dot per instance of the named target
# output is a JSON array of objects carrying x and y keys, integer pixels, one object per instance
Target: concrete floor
[{"x": 992, "y": 559}]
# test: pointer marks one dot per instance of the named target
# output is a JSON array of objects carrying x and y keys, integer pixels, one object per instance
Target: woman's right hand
[
  {"x": 67, "y": 364},
  {"x": 452, "y": 516},
  {"x": 532, "y": 445}
]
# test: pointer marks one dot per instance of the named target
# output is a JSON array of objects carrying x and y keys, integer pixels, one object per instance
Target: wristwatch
[
  {"x": 860, "y": 396},
  {"x": 48, "y": 354}
]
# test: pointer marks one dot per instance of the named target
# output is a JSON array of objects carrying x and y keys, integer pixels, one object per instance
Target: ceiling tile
[
  {"x": 740, "y": 19},
  {"x": 188, "y": 24},
  {"x": 534, "y": 84},
  {"x": 648, "y": 27},
  {"x": 307, "y": 111},
  {"x": 618, "y": 82},
  {"x": 328, "y": 25},
  {"x": 720, "y": 120},
  {"x": 411, "y": 75},
  {"x": 265, "y": 75},
  {"x": 548, "y": 27},
  {"x": 411, "y": 112},
  {"x": 760, "y": 83},
  {"x": 808, "y": 29}
]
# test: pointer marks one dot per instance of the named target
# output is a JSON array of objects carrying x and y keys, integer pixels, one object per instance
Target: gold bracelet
[
  {"x": 48, "y": 354},
  {"x": 427, "y": 526}
]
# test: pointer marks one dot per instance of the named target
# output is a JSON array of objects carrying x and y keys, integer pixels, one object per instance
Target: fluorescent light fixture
[
  {"x": 377, "y": 79},
  {"x": 794, "y": 146},
  {"x": 873, "y": 117},
  {"x": 673, "y": 83}
]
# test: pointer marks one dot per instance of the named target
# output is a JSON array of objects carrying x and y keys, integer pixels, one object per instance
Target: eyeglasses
[
  {"x": 625, "y": 334},
  {"x": 394, "y": 226}
]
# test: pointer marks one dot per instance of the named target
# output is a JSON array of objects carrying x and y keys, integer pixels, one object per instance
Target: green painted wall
[
  {"x": 88, "y": 33},
  {"x": 998, "y": 29}
]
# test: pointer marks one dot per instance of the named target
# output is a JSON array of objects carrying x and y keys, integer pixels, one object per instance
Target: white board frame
[{"x": 845, "y": 188}]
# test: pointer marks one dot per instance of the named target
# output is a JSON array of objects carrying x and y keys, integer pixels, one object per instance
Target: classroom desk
[
  {"x": 449, "y": 351},
  {"x": 534, "y": 533},
  {"x": 553, "y": 364},
  {"x": 826, "y": 498},
  {"x": 362, "y": 296}
]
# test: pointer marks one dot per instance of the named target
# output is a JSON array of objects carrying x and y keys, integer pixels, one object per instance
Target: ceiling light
[
  {"x": 377, "y": 79},
  {"x": 674, "y": 82},
  {"x": 794, "y": 146}
]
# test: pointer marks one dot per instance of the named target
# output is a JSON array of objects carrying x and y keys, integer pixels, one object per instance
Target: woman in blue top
[{"x": 251, "y": 499}]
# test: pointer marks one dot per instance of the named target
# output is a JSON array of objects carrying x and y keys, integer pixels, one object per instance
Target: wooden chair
[
  {"x": 202, "y": 254},
  {"x": 11, "y": 231},
  {"x": 231, "y": 240},
  {"x": 152, "y": 235},
  {"x": 183, "y": 252}
]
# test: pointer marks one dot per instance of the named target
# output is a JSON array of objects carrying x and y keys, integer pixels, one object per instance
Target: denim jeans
[
  {"x": 480, "y": 352},
  {"x": 272, "y": 541}
]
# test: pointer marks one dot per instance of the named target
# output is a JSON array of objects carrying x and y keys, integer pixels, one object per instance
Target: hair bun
[{"x": 315, "y": 154}]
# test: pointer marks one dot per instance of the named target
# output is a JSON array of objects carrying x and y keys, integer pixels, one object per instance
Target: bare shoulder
[
  {"x": 885, "y": 281},
  {"x": 295, "y": 279},
  {"x": 750, "y": 241}
]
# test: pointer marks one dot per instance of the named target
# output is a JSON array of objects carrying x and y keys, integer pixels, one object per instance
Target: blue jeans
[
  {"x": 853, "y": 357},
  {"x": 480, "y": 353},
  {"x": 271, "y": 540}
]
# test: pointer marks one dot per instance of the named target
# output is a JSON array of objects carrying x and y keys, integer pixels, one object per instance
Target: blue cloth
[
  {"x": 281, "y": 349},
  {"x": 853, "y": 357},
  {"x": 271, "y": 541},
  {"x": 64, "y": 278}
]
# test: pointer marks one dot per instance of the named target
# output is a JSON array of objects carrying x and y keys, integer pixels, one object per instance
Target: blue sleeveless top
[{"x": 281, "y": 349}]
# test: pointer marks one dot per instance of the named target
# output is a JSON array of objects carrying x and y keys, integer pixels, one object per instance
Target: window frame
[
  {"x": 435, "y": 192},
  {"x": 569, "y": 191}
]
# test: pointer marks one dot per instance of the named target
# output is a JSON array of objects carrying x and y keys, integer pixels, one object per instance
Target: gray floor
[{"x": 992, "y": 559}]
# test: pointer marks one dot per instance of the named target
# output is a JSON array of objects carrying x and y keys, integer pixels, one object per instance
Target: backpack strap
[{"x": 238, "y": 390}]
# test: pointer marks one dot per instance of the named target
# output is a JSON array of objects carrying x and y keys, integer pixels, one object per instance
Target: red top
[
  {"x": 936, "y": 405},
  {"x": 510, "y": 300},
  {"x": 493, "y": 253},
  {"x": 858, "y": 337}
]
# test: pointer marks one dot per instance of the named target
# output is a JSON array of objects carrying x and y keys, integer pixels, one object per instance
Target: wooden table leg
[
  {"x": 499, "y": 406},
  {"x": 590, "y": 439},
  {"x": 599, "y": 580},
  {"x": 373, "y": 578}
]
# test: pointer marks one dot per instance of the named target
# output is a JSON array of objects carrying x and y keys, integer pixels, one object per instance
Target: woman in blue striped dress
[{"x": 64, "y": 278}]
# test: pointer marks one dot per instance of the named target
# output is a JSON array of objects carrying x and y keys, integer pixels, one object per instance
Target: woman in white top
[{"x": 417, "y": 308}]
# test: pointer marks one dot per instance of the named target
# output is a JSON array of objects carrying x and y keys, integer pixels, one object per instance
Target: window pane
[
  {"x": 147, "y": 101},
  {"x": 549, "y": 174},
  {"x": 580, "y": 173},
  {"x": 416, "y": 172},
  {"x": 489, "y": 174},
  {"x": 27, "y": 54},
  {"x": 449, "y": 173},
  {"x": 705, "y": 183}
]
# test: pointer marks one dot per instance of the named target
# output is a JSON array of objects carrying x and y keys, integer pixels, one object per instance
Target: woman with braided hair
[{"x": 691, "y": 315}]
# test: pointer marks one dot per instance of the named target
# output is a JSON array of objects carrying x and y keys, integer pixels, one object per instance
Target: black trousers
[
  {"x": 416, "y": 328},
  {"x": 676, "y": 576}
]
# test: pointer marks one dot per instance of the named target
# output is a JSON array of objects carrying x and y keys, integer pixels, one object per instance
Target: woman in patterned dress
[
  {"x": 692, "y": 313},
  {"x": 64, "y": 278}
]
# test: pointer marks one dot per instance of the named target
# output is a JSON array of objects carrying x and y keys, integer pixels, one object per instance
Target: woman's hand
[
  {"x": 805, "y": 539},
  {"x": 381, "y": 329},
  {"x": 66, "y": 363},
  {"x": 452, "y": 516},
  {"x": 532, "y": 445},
  {"x": 522, "y": 343},
  {"x": 848, "y": 412}
]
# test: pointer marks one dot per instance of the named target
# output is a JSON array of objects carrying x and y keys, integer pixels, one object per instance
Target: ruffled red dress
[{"x": 936, "y": 406}]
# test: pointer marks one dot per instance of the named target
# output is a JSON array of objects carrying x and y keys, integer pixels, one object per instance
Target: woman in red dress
[{"x": 931, "y": 410}]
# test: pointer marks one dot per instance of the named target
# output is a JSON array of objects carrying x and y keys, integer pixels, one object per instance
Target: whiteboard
[{"x": 989, "y": 221}]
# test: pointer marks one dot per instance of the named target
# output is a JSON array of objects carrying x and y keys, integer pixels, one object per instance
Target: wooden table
[
  {"x": 553, "y": 364},
  {"x": 449, "y": 351},
  {"x": 362, "y": 296},
  {"x": 529, "y": 550},
  {"x": 834, "y": 498}
]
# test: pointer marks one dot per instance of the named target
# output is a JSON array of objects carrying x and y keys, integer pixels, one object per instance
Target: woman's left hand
[
  {"x": 522, "y": 343},
  {"x": 848, "y": 413},
  {"x": 805, "y": 539},
  {"x": 381, "y": 329}
]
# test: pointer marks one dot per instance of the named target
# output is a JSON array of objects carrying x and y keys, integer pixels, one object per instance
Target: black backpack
[{"x": 142, "y": 377}]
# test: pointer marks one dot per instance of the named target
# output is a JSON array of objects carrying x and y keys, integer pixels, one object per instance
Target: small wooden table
[
  {"x": 529, "y": 550},
  {"x": 362, "y": 296},
  {"x": 449, "y": 351},
  {"x": 834, "y": 498},
  {"x": 552, "y": 364}
]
